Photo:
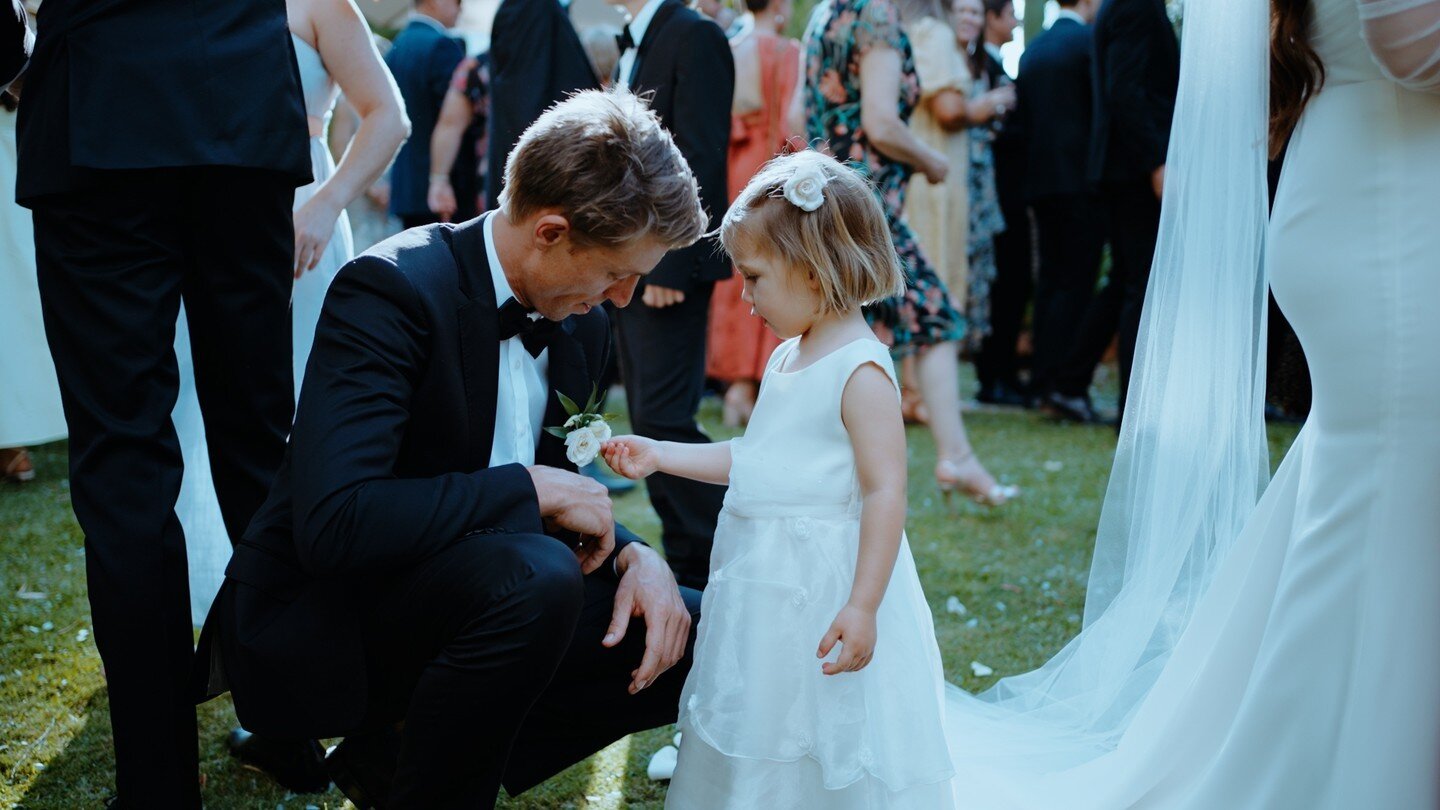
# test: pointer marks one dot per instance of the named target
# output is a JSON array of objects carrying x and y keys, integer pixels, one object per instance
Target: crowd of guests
[{"x": 991, "y": 186}]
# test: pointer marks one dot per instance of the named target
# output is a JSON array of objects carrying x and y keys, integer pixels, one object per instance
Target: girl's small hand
[
  {"x": 855, "y": 629},
  {"x": 632, "y": 456}
]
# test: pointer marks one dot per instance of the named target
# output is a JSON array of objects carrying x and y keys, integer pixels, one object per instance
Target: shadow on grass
[{"x": 81, "y": 775}]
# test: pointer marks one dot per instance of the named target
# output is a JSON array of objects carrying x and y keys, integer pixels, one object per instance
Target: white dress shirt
[
  {"x": 524, "y": 382},
  {"x": 638, "y": 25},
  {"x": 1069, "y": 14},
  {"x": 416, "y": 16}
]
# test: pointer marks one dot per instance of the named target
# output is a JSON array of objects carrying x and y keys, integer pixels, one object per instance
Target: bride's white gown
[
  {"x": 1309, "y": 675},
  {"x": 207, "y": 545}
]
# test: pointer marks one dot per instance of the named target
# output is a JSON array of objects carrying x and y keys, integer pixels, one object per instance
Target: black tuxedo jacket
[
  {"x": 536, "y": 60},
  {"x": 1137, "y": 72},
  {"x": 1009, "y": 147},
  {"x": 1054, "y": 105},
  {"x": 14, "y": 47},
  {"x": 423, "y": 61},
  {"x": 684, "y": 60},
  {"x": 387, "y": 464},
  {"x": 143, "y": 84}
]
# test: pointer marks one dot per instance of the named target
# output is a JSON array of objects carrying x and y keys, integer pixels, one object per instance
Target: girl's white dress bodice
[
  {"x": 207, "y": 544},
  {"x": 763, "y": 726}
]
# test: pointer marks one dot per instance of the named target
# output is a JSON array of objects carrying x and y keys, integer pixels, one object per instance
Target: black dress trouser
[
  {"x": 490, "y": 653},
  {"x": 115, "y": 260},
  {"x": 1134, "y": 223},
  {"x": 997, "y": 361},
  {"x": 662, "y": 363},
  {"x": 1071, "y": 239}
]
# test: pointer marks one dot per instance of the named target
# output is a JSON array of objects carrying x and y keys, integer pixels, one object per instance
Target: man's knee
[{"x": 548, "y": 584}]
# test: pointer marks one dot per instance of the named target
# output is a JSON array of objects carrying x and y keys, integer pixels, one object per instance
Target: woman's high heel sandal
[
  {"x": 967, "y": 476},
  {"x": 15, "y": 465}
]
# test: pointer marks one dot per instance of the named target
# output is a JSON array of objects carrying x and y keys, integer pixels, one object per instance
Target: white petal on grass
[{"x": 980, "y": 670}]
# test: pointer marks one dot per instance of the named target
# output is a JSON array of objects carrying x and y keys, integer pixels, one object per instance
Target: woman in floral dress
[{"x": 855, "y": 44}]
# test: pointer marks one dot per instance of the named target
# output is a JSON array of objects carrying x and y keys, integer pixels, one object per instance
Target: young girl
[{"x": 817, "y": 682}]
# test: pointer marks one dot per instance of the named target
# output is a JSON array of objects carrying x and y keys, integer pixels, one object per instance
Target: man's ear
[{"x": 551, "y": 230}]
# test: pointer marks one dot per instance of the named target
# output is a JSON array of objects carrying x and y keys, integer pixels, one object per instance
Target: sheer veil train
[{"x": 1191, "y": 461}]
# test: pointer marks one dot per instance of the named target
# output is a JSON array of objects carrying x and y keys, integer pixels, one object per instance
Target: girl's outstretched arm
[
  {"x": 870, "y": 409},
  {"x": 638, "y": 457}
]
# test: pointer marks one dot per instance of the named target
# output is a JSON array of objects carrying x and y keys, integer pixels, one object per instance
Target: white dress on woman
[
  {"x": 30, "y": 410},
  {"x": 763, "y": 726},
  {"x": 1307, "y": 676},
  {"x": 207, "y": 544}
]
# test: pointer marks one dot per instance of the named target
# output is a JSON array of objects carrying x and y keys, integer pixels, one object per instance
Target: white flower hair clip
[{"x": 806, "y": 188}]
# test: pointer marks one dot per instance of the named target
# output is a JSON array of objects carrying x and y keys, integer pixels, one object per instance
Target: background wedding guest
[
  {"x": 16, "y": 40},
  {"x": 458, "y": 145},
  {"x": 997, "y": 365},
  {"x": 1054, "y": 110},
  {"x": 602, "y": 45},
  {"x": 766, "y": 76},
  {"x": 1137, "y": 70},
  {"x": 684, "y": 60},
  {"x": 536, "y": 59},
  {"x": 858, "y": 45},
  {"x": 423, "y": 62},
  {"x": 158, "y": 173},
  {"x": 30, "y": 410},
  {"x": 986, "y": 220}
]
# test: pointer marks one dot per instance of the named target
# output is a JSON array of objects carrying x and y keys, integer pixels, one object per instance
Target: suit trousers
[
  {"x": 1071, "y": 239},
  {"x": 997, "y": 361},
  {"x": 114, "y": 261},
  {"x": 490, "y": 653},
  {"x": 662, "y": 363},
  {"x": 1134, "y": 224}
]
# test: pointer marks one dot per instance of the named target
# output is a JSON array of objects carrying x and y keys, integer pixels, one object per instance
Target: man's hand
[
  {"x": 648, "y": 590},
  {"x": 575, "y": 503},
  {"x": 1157, "y": 182},
  {"x": 661, "y": 297}
]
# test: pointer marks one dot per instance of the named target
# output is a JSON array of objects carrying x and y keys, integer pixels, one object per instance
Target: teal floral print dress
[{"x": 840, "y": 32}]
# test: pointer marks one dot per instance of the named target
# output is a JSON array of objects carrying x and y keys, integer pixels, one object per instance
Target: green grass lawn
[{"x": 1020, "y": 571}]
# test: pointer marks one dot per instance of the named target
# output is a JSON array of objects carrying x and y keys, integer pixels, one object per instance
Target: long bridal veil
[{"x": 1191, "y": 460}]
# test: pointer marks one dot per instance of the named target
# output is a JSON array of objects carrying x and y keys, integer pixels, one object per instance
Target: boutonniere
[{"x": 585, "y": 430}]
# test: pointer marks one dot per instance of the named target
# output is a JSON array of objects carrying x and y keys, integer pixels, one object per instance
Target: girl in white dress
[
  {"x": 334, "y": 52},
  {"x": 817, "y": 682}
]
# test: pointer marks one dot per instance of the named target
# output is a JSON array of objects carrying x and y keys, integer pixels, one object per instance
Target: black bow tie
[
  {"x": 514, "y": 319},
  {"x": 624, "y": 40}
]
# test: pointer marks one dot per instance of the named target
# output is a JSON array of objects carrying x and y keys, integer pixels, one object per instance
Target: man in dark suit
[
  {"x": 996, "y": 365},
  {"x": 423, "y": 61},
  {"x": 670, "y": 50},
  {"x": 1055, "y": 106},
  {"x": 536, "y": 59},
  {"x": 159, "y": 148},
  {"x": 1136, "y": 74},
  {"x": 420, "y": 557}
]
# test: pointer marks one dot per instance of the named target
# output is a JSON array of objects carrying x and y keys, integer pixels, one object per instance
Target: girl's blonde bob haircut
[{"x": 844, "y": 244}]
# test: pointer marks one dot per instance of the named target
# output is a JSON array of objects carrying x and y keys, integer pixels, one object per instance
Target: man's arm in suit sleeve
[
  {"x": 700, "y": 124},
  {"x": 16, "y": 41},
  {"x": 352, "y": 513},
  {"x": 1133, "y": 123}
]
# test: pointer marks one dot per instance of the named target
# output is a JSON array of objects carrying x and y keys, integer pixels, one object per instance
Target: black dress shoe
[
  {"x": 1003, "y": 394},
  {"x": 362, "y": 766},
  {"x": 298, "y": 765},
  {"x": 1069, "y": 409}
]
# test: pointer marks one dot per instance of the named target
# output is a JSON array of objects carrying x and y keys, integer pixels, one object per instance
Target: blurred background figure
[
  {"x": 423, "y": 62},
  {"x": 459, "y": 144},
  {"x": 766, "y": 76},
  {"x": 997, "y": 365},
  {"x": 30, "y": 409}
]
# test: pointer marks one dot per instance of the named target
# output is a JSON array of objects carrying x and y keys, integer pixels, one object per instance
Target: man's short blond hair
[
  {"x": 602, "y": 157},
  {"x": 844, "y": 244}
]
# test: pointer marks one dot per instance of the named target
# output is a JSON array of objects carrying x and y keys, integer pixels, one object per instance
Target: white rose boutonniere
[
  {"x": 806, "y": 187},
  {"x": 585, "y": 430}
]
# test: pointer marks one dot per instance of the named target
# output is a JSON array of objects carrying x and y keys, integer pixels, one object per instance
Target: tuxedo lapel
[
  {"x": 569, "y": 375},
  {"x": 652, "y": 33},
  {"x": 479, "y": 340}
]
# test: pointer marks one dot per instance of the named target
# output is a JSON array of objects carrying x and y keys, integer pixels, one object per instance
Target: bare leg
[{"x": 957, "y": 465}]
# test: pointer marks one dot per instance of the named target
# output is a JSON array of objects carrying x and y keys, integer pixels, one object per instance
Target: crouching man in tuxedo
[{"x": 429, "y": 577}]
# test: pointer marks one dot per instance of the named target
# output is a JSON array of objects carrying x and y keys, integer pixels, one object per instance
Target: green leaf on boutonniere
[
  {"x": 568, "y": 404},
  {"x": 555, "y": 431},
  {"x": 594, "y": 398}
]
